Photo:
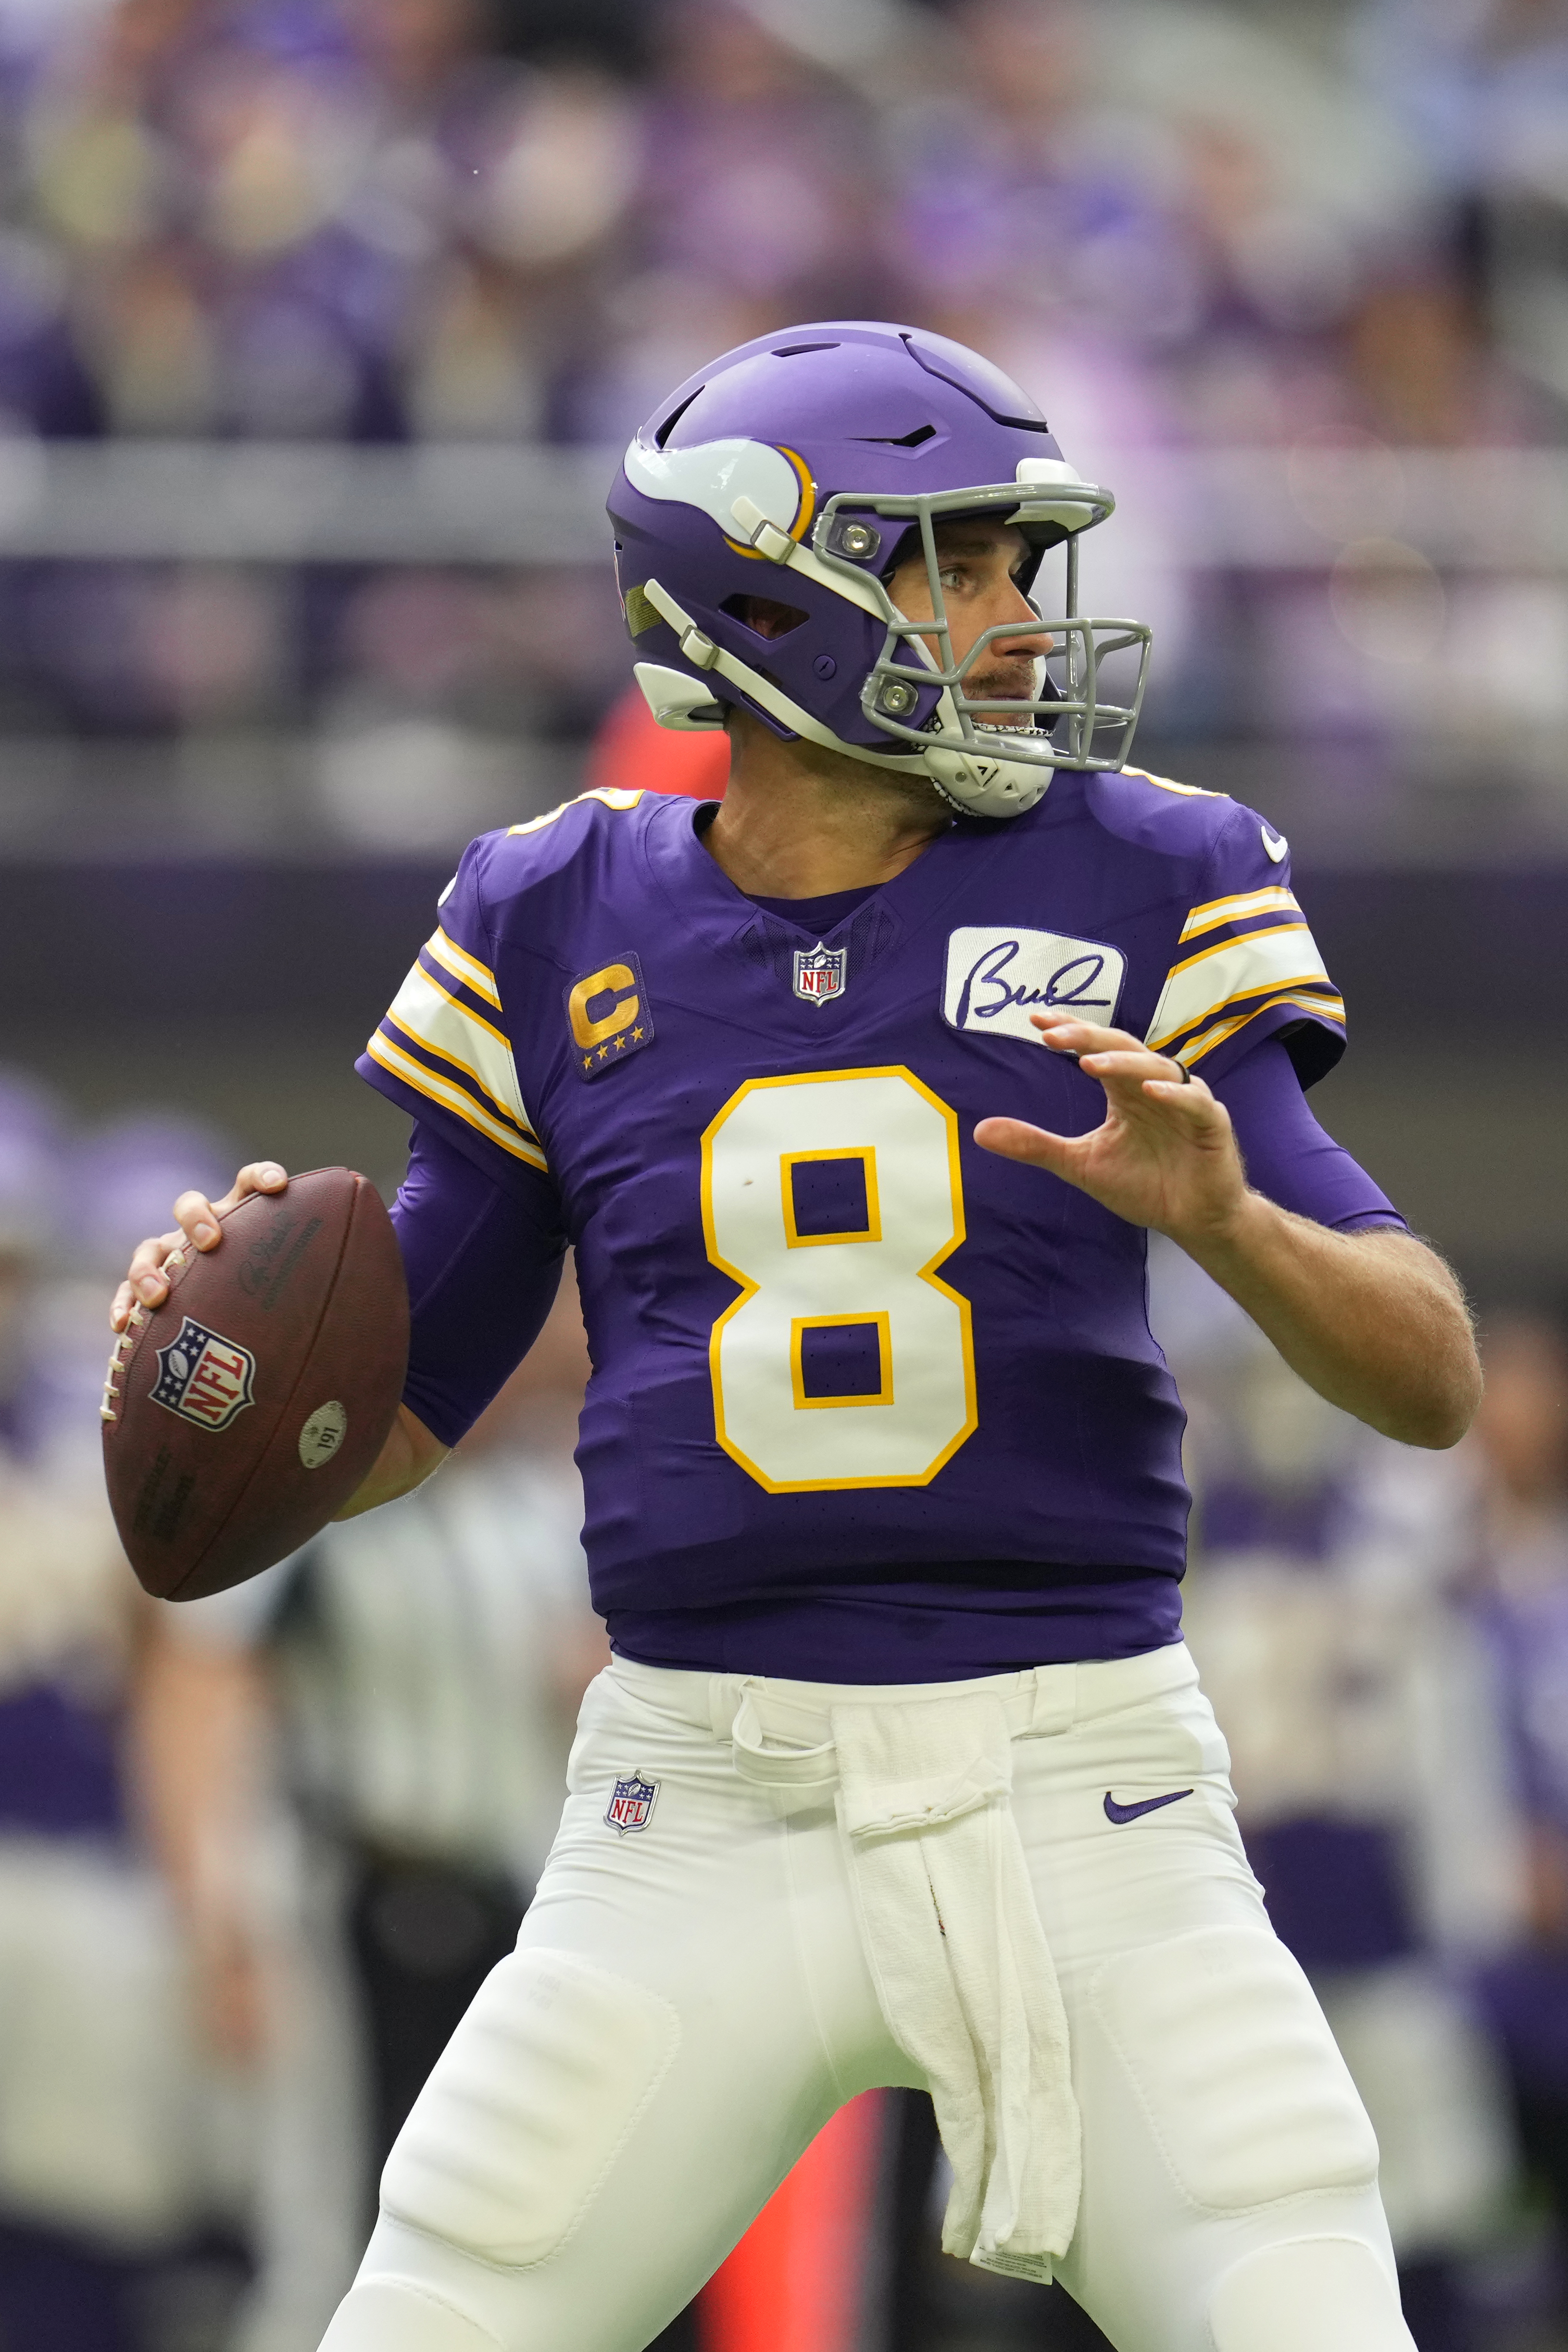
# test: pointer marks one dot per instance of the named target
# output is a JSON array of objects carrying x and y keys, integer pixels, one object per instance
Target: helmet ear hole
[{"x": 763, "y": 615}]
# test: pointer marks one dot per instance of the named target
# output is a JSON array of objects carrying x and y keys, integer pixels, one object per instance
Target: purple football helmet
[{"x": 830, "y": 452}]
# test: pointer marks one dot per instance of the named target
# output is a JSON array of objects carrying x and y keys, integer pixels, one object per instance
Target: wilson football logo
[{"x": 204, "y": 1377}]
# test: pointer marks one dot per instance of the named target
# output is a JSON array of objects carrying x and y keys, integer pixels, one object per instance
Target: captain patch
[
  {"x": 997, "y": 974},
  {"x": 608, "y": 1014}
]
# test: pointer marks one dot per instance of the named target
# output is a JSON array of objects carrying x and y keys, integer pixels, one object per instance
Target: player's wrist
[{"x": 1228, "y": 1233}]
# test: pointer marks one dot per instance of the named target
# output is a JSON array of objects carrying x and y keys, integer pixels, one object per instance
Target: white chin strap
[{"x": 972, "y": 781}]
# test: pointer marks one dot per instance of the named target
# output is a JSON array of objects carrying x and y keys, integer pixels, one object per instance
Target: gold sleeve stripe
[
  {"x": 1285, "y": 957},
  {"x": 1222, "y": 949},
  {"x": 1167, "y": 784},
  {"x": 422, "y": 1008},
  {"x": 1279, "y": 984},
  {"x": 1324, "y": 989},
  {"x": 1207, "y": 918},
  {"x": 610, "y": 794},
  {"x": 476, "y": 1085},
  {"x": 463, "y": 967},
  {"x": 452, "y": 1097},
  {"x": 1325, "y": 1008}
]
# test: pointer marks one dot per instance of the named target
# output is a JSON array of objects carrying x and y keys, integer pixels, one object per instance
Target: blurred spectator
[
  {"x": 1520, "y": 1585},
  {"x": 1322, "y": 1609},
  {"x": 309, "y": 220},
  {"x": 755, "y": 203},
  {"x": 118, "y": 2152},
  {"x": 31, "y": 1147},
  {"x": 414, "y": 1678},
  {"x": 1481, "y": 88},
  {"x": 1014, "y": 195},
  {"x": 402, "y": 220}
]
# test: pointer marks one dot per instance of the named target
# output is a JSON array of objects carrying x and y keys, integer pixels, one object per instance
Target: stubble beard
[{"x": 1015, "y": 682}]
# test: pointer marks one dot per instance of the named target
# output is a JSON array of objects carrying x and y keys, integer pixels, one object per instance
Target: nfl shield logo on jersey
[
  {"x": 819, "y": 972},
  {"x": 631, "y": 1803},
  {"x": 204, "y": 1377}
]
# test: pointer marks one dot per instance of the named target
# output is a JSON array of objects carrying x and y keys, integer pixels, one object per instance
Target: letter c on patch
[{"x": 616, "y": 979}]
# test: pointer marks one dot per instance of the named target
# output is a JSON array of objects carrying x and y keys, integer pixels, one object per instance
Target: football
[{"x": 243, "y": 1413}]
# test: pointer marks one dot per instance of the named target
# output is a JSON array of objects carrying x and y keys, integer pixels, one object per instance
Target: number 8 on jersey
[{"x": 833, "y": 1199}]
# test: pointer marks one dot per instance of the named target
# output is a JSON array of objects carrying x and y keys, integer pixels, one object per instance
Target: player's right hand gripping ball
[{"x": 241, "y": 1415}]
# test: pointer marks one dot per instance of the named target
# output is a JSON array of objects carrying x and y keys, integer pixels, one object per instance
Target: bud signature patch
[{"x": 999, "y": 975}]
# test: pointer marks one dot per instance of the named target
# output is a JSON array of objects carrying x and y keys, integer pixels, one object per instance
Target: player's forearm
[
  {"x": 407, "y": 1459},
  {"x": 1374, "y": 1321},
  {"x": 197, "y": 1729}
]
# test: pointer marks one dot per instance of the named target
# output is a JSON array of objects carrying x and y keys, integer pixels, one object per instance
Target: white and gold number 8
[{"x": 845, "y": 1362}]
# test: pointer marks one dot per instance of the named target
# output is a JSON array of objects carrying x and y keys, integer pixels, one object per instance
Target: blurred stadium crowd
[
  {"x": 1329, "y": 236},
  {"x": 1292, "y": 280}
]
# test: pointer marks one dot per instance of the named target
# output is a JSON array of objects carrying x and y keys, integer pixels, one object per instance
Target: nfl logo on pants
[{"x": 631, "y": 1803}]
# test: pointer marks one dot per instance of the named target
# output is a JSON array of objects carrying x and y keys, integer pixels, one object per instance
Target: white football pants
[{"x": 689, "y": 2002}]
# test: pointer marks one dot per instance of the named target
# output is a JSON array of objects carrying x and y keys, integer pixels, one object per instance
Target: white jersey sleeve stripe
[
  {"x": 445, "y": 1026},
  {"x": 468, "y": 1076},
  {"x": 1284, "y": 957},
  {"x": 453, "y": 1098},
  {"x": 463, "y": 967},
  {"x": 1246, "y": 904}
]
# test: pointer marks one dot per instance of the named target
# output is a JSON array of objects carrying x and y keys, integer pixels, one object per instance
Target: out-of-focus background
[{"x": 320, "y": 325}]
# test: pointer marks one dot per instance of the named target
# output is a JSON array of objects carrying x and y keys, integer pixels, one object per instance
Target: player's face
[{"x": 978, "y": 564}]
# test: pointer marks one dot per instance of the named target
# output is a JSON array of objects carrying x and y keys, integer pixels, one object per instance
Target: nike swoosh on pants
[{"x": 1115, "y": 1812}]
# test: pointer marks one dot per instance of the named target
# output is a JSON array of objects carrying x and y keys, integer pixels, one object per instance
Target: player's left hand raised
[{"x": 1165, "y": 1155}]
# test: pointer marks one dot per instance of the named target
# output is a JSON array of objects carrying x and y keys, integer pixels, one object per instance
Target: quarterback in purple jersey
[{"x": 856, "y": 1098}]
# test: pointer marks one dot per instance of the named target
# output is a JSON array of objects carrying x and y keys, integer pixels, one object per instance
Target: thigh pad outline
[
  {"x": 1307, "y": 2294},
  {"x": 1246, "y": 2092},
  {"x": 393, "y": 2315},
  {"x": 528, "y": 2107}
]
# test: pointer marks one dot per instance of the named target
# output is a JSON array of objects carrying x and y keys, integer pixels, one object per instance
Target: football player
[{"x": 856, "y": 1097}]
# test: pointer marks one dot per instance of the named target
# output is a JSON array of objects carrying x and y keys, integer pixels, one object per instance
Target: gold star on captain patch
[
  {"x": 602, "y": 1051},
  {"x": 636, "y": 1036},
  {"x": 620, "y": 1042},
  {"x": 587, "y": 1061}
]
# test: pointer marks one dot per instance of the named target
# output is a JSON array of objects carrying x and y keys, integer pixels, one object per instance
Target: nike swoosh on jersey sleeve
[
  {"x": 1212, "y": 993},
  {"x": 438, "y": 1038}
]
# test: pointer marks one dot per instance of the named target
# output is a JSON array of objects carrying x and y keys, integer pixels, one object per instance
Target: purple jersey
[{"x": 851, "y": 1370}]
